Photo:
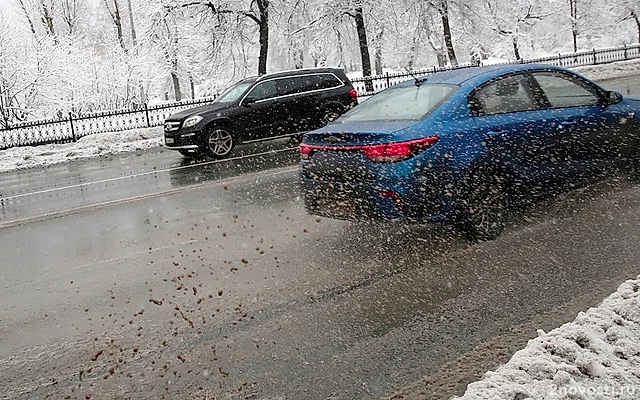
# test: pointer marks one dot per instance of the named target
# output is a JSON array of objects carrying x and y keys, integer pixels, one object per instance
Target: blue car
[{"x": 461, "y": 146}]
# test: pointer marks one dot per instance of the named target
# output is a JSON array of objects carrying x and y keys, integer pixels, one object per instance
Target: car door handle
[
  {"x": 497, "y": 132},
  {"x": 567, "y": 123}
]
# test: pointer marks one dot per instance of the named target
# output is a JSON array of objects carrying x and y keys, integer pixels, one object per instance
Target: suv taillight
[
  {"x": 353, "y": 94},
  {"x": 383, "y": 153}
]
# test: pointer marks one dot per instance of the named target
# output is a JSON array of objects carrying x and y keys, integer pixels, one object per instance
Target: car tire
[
  {"x": 483, "y": 213},
  {"x": 219, "y": 142},
  {"x": 295, "y": 140},
  {"x": 329, "y": 115},
  {"x": 635, "y": 164}
]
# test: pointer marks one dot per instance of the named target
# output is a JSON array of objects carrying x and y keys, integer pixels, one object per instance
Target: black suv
[{"x": 261, "y": 108}]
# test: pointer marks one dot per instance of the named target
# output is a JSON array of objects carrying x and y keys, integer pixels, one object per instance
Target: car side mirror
[
  {"x": 248, "y": 101},
  {"x": 612, "y": 97}
]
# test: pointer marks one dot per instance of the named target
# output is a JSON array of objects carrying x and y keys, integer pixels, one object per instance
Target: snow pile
[
  {"x": 614, "y": 70},
  {"x": 87, "y": 147},
  {"x": 597, "y": 356}
]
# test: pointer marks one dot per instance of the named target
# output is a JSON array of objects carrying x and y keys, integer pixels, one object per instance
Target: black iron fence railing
[
  {"x": 369, "y": 85},
  {"x": 72, "y": 127}
]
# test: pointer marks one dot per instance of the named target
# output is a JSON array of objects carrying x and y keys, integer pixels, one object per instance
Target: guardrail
[{"x": 72, "y": 128}]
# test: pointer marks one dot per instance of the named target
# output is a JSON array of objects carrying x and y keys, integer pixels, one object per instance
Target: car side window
[
  {"x": 263, "y": 90},
  {"x": 287, "y": 86},
  {"x": 563, "y": 91},
  {"x": 306, "y": 83},
  {"x": 505, "y": 95}
]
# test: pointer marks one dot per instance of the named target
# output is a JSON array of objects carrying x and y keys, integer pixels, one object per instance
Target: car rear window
[{"x": 401, "y": 103}]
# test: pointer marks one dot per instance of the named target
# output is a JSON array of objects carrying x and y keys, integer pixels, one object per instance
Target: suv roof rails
[{"x": 303, "y": 70}]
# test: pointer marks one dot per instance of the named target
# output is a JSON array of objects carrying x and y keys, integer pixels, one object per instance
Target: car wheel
[
  {"x": 635, "y": 165},
  {"x": 295, "y": 140},
  {"x": 329, "y": 115},
  {"x": 219, "y": 142},
  {"x": 485, "y": 210}
]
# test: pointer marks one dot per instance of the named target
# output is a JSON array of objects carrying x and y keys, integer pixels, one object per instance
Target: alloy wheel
[{"x": 220, "y": 142}]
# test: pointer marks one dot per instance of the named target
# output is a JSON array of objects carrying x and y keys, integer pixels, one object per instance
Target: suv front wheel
[{"x": 219, "y": 142}]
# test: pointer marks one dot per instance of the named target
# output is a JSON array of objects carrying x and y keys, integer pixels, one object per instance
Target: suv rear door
[
  {"x": 262, "y": 112},
  {"x": 303, "y": 98}
]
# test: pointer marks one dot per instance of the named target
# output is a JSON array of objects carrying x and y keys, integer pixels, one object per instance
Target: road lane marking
[
  {"x": 77, "y": 210},
  {"x": 138, "y": 175},
  {"x": 137, "y": 253}
]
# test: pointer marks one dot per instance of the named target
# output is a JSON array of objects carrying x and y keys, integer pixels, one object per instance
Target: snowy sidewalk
[{"x": 597, "y": 356}]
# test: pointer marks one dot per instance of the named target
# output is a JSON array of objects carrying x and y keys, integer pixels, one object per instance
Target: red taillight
[
  {"x": 305, "y": 151},
  {"x": 353, "y": 94},
  {"x": 393, "y": 152},
  {"x": 388, "y": 152}
]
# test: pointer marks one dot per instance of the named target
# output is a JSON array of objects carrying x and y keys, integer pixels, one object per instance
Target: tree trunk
[
  {"x": 377, "y": 55},
  {"x": 446, "y": 28},
  {"x": 341, "y": 62},
  {"x": 364, "y": 46},
  {"x": 516, "y": 50},
  {"x": 117, "y": 21},
  {"x": 133, "y": 27},
  {"x": 69, "y": 15},
  {"x": 263, "y": 25},
  {"x": 176, "y": 86},
  {"x": 27, "y": 16},
  {"x": 47, "y": 20},
  {"x": 298, "y": 56},
  {"x": 574, "y": 23},
  {"x": 635, "y": 17}
]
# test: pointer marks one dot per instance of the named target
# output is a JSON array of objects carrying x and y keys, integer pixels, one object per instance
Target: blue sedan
[{"x": 461, "y": 146}]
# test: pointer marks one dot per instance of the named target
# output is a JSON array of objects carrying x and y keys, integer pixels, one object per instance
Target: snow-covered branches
[{"x": 98, "y": 54}]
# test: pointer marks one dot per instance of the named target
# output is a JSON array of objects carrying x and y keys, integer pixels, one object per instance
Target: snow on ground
[
  {"x": 97, "y": 145},
  {"x": 610, "y": 71},
  {"x": 597, "y": 356},
  {"x": 121, "y": 142}
]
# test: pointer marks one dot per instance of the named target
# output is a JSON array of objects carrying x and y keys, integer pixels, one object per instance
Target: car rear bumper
[{"x": 370, "y": 201}]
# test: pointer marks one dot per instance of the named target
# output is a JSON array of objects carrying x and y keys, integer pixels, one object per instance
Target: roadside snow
[
  {"x": 141, "y": 139},
  {"x": 87, "y": 147},
  {"x": 597, "y": 356},
  {"x": 614, "y": 70}
]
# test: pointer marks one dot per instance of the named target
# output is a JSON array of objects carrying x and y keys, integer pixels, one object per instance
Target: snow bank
[
  {"x": 597, "y": 356},
  {"x": 614, "y": 70},
  {"x": 87, "y": 147}
]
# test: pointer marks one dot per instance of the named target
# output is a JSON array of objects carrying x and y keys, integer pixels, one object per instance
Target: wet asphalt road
[{"x": 211, "y": 280}]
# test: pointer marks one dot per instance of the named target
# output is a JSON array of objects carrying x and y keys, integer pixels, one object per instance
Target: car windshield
[
  {"x": 233, "y": 92},
  {"x": 401, "y": 103}
]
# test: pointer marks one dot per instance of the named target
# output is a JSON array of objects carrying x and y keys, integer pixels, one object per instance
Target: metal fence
[
  {"x": 370, "y": 85},
  {"x": 74, "y": 127}
]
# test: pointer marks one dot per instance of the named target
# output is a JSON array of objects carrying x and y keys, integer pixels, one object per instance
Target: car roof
[
  {"x": 479, "y": 74},
  {"x": 294, "y": 72}
]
